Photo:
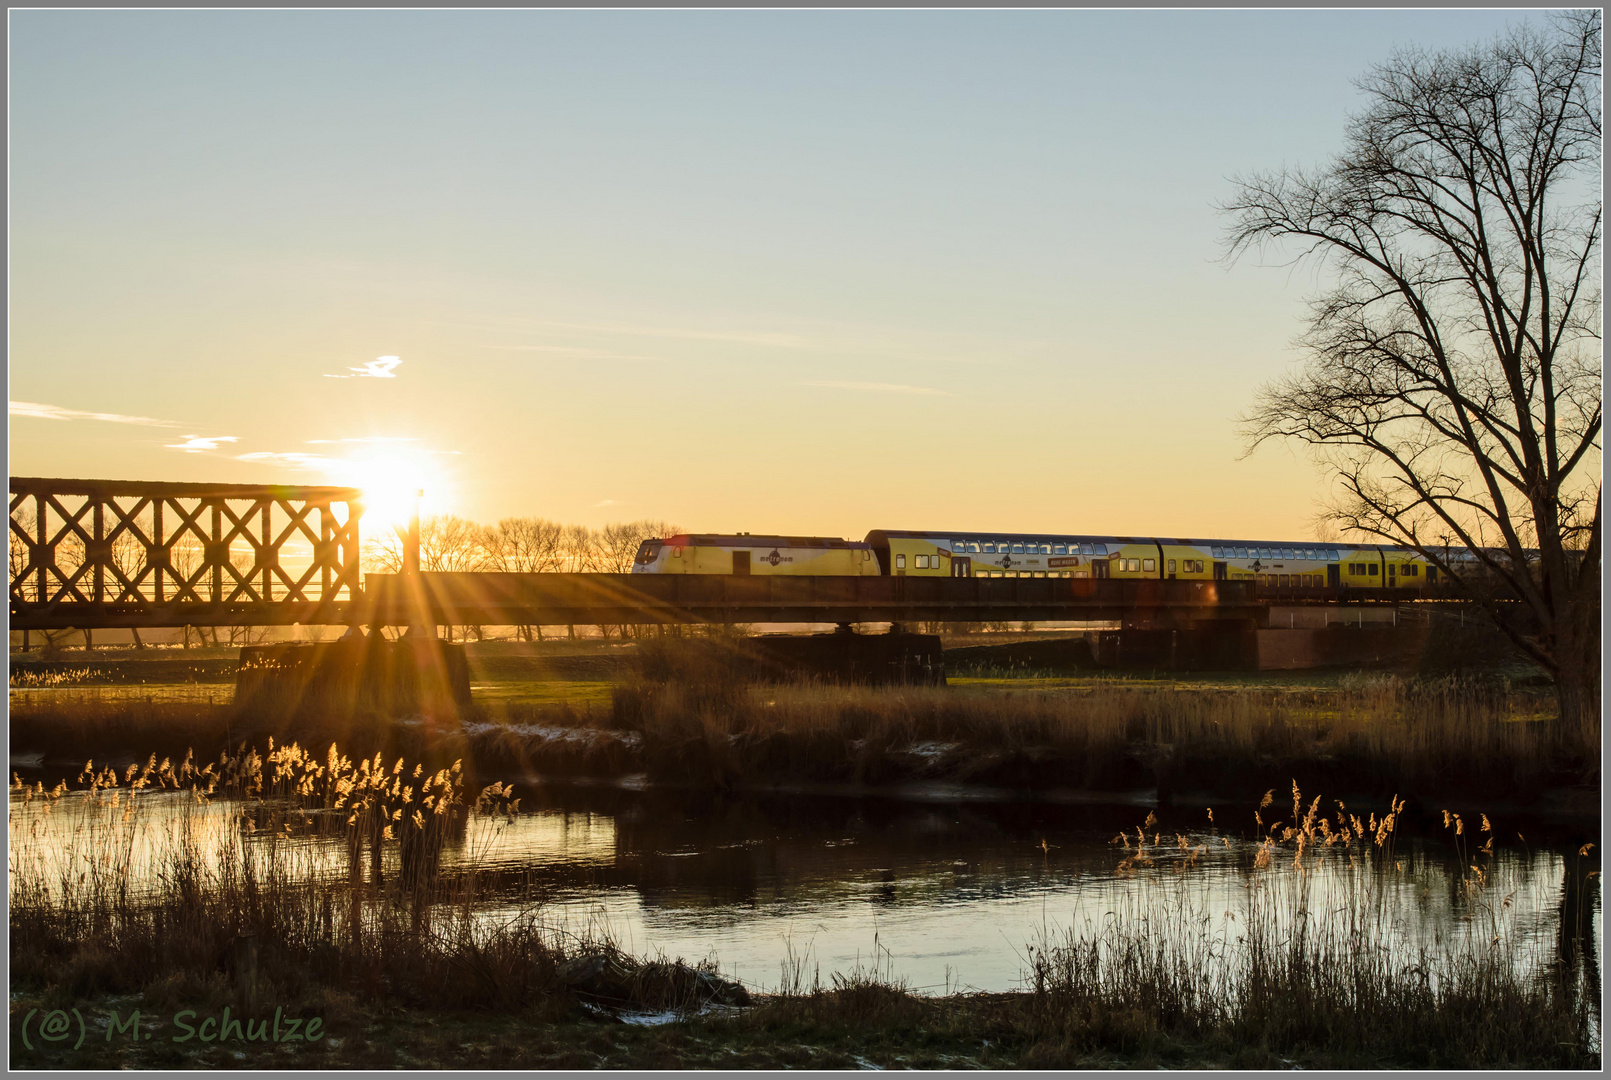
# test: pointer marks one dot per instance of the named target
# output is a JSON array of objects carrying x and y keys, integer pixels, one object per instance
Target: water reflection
[
  {"x": 942, "y": 895},
  {"x": 950, "y": 893}
]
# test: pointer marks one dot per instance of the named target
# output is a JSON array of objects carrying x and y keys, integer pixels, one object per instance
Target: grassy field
[
  {"x": 675, "y": 709},
  {"x": 401, "y": 973}
]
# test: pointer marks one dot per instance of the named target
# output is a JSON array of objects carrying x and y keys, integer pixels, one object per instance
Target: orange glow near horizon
[{"x": 395, "y": 481}]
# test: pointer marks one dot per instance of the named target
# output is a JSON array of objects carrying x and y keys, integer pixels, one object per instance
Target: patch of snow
[
  {"x": 865, "y": 1064},
  {"x": 554, "y": 734},
  {"x": 931, "y": 749},
  {"x": 650, "y": 1019}
]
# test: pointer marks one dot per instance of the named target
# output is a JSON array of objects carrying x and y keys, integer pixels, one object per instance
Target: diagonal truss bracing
[{"x": 90, "y": 553}]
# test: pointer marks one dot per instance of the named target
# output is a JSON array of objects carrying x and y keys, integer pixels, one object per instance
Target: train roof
[
  {"x": 1105, "y": 538},
  {"x": 1098, "y": 538},
  {"x": 758, "y": 540}
]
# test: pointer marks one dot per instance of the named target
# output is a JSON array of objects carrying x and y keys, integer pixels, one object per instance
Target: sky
[{"x": 799, "y": 272}]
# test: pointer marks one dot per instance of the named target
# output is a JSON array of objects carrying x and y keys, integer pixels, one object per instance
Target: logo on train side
[
  {"x": 774, "y": 558},
  {"x": 1006, "y": 561}
]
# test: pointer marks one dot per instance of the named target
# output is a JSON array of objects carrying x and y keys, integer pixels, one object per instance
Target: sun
[{"x": 396, "y": 483}]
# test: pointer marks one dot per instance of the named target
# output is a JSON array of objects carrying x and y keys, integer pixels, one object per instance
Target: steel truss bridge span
[{"x": 89, "y": 554}]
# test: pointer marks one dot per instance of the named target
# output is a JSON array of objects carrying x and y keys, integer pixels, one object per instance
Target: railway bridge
[{"x": 94, "y": 554}]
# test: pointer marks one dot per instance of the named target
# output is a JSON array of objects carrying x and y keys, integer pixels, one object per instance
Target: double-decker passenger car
[
  {"x": 901, "y": 553},
  {"x": 741, "y": 553},
  {"x": 1285, "y": 564}
]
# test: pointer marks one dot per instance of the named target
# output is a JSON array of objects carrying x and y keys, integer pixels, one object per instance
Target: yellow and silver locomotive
[{"x": 741, "y": 553}]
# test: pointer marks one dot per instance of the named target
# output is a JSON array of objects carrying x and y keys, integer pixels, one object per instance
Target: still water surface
[{"x": 945, "y": 895}]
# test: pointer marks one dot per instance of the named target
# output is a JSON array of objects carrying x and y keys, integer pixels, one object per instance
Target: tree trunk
[
  {"x": 1577, "y": 671},
  {"x": 1577, "y": 694}
]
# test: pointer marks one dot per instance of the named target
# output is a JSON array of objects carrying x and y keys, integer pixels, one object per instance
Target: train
[{"x": 1289, "y": 564}]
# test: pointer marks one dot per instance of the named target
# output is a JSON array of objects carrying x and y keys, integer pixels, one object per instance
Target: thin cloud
[
  {"x": 56, "y": 412},
  {"x": 881, "y": 387},
  {"x": 604, "y": 502},
  {"x": 294, "y": 459},
  {"x": 195, "y": 443},
  {"x": 382, "y": 367}
]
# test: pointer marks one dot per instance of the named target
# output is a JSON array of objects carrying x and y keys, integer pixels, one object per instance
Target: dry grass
[
  {"x": 1294, "y": 977},
  {"x": 688, "y": 714},
  {"x": 1377, "y": 734},
  {"x": 379, "y": 918}
]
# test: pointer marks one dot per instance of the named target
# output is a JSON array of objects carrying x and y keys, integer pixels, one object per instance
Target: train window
[
  {"x": 1171, "y": 566},
  {"x": 1046, "y": 549},
  {"x": 1241, "y": 553},
  {"x": 1286, "y": 553},
  {"x": 1018, "y": 549},
  {"x": 676, "y": 553},
  {"x": 920, "y": 562},
  {"x": 1370, "y": 569},
  {"x": 1150, "y": 565},
  {"x": 900, "y": 562},
  {"x": 1059, "y": 549},
  {"x": 1411, "y": 570},
  {"x": 1194, "y": 566},
  {"x": 1086, "y": 549},
  {"x": 1082, "y": 573},
  {"x": 1133, "y": 565},
  {"x": 1040, "y": 573},
  {"x": 1101, "y": 549},
  {"x": 990, "y": 549},
  {"x": 975, "y": 548}
]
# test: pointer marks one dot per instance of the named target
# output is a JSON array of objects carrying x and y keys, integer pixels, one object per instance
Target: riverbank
[
  {"x": 679, "y": 712},
  {"x": 838, "y": 1029},
  {"x": 1426, "y": 742},
  {"x": 321, "y": 916}
]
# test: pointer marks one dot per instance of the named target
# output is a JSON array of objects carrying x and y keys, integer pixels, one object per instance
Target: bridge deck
[{"x": 553, "y": 599}]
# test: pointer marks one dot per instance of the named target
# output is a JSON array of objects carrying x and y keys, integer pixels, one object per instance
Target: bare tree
[
  {"x": 581, "y": 555},
  {"x": 1453, "y": 381},
  {"x": 184, "y": 558},
  {"x": 449, "y": 544},
  {"x": 128, "y": 557},
  {"x": 619, "y": 543},
  {"x": 525, "y": 546},
  {"x": 24, "y": 526},
  {"x": 583, "y": 550}
]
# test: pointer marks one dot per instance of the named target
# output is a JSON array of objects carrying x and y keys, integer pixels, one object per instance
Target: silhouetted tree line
[{"x": 518, "y": 545}]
